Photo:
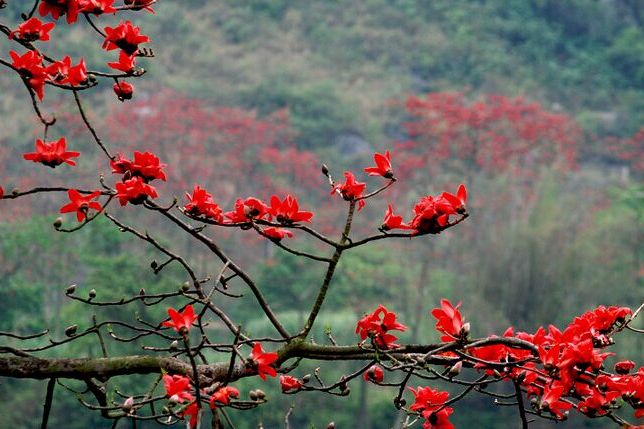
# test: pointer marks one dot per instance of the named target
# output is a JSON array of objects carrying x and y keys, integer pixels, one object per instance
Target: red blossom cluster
[
  {"x": 377, "y": 326},
  {"x": 430, "y": 403}
]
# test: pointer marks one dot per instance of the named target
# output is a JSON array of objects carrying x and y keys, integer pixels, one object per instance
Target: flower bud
[
  {"x": 92, "y": 294},
  {"x": 185, "y": 286},
  {"x": 306, "y": 378},
  {"x": 127, "y": 405},
  {"x": 154, "y": 265},
  {"x": 58, "y": 222},
  {"x": 71, "y": 330},
  {"x": 174, "y": 345},
  {"x": 253, "y": 395},
  {"x": 624, "y": 367},
  {"x": 123, "y": 90},
  {"x": 331, "y": 425},
  {"x": 260, "y": 394},
  {"x": 325, "y": 170},
  {"x": 142, "y": 292},
  {"x": 455, "y": 369},
  {"x": 70, "y": 290},
  {"x": 465, "y": 330},
  {"x": 15, "y": 191}
]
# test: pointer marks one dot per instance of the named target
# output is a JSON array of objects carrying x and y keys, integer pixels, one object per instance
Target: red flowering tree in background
[{"x": 552, "y": 371}]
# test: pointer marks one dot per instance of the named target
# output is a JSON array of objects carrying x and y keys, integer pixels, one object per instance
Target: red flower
[
  {"x": 277, "y": 234},
  {"x": 181, "y": 322},
  {"x": 52, "y": 154},
  {"x": 31, "y": 30},
  {"x": 288, "y": 211},
  {"x": 177, "y": 387},
  {"x": 375, "y": 374},
  {"x": 431, "y": 214},
  {"x": 290, "y": 383},
  {"x": 123, "y": 90},
  {"x": 248, "y": 209},
  {"x": 201, "y": 203},
  {"x": 223, "y": 395},
  {"x": 134, "y": 191},
  {"x": 31, "y": 69},
  {"x": 96, "y": 7},
  {"x": 1, "y": 192},
  {"x": 351, "y": 189},
  {"x": 124, "y": 36},
  {"x": 392, "y": 221},
  {"x": 428, "y": 402},
  {"x": 145, "y": 165},
  {"x": 58, "y": 8},
  {"x": 191, "y": 411},
  {"x": 62, "y": 72},
  {"x": 383, "y": 166},
  {"x": 457, "y": 201},
  {"x": 263, "y": 361},
  {"x": 81, "y": 204},
  {"x": 125, "y": 63},
  {"x": 450, "y": 321},
  {"x": 550, "y": 401},
  {"x": 624, "y": 367},
  {"x": 377, "y": 324}
]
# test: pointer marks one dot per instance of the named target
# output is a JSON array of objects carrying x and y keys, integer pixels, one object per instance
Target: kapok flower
[
  {"x": 222, "y": 396},
  {"x": 96, "y": 7},
  {"x": 392, "y": 221},
  {"x": 624, "y": 366},
  {"x": 192, "y": 412},
  {"x": 181, "y": 322},
  {"x": 145, "y": 165},
  {"x": 383, "y": 166},
  {"x": 550, "y": 401},
  {"x": 351, "y": 189},
  {"x": 201, "y": 203},
  {"x": 290, "y": 383},
  {"x": 262, "y": 361},
  {"x": 125, "y": 63},
  {"x": 177, "y": 387},
  {"x": 450, "y": 322},
  {"x": 81, "y": 204},
  {"x": 246, "y": 210},
  {"x": 459, "y": 200},
  {"x": 277, "y": 234},
  {"x": 376, "y": 326},
  {"x": 51, "y": 154},
  {"x": 31, "y": 30},
  {"x": 427, "y": 402},
  {"x": 375, "y": 374},
  {"x": 134, "y": 191},
  {"x": 30, "y": 67},
  {"x": 63, "y": 72},
  {"x": 288, "y": 211},
  {"x": 58, "y": 8},
  {"x": 123, "y": 90},
  {"x": 124, "y": 36}
]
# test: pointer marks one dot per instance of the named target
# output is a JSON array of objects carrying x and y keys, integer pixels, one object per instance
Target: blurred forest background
[{"x": 538, "y": 106}]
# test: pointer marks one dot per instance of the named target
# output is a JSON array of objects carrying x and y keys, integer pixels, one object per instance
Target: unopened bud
[
  {"x": 71, "y": 330},
  {"x": 331, "y": 425},
  {"x": 127, "y": 405},
  {"x": 166, "y": 410},
  {"x": 325, "y": 170},
  {"x": 260, "y": 394},
  {"x": 253, "y": 395},
  {"x": 142, "y": 292},
  {"x": 173, "y": 400},
  {"x": 154, "y": 265},
  {"x": 185, "y": 286},
  {"x": 174, "y": 345},
  {"x": 58, "y": 222},
  {"x": 465, "y": 330},
  {"x": 92, "y": 294},
  {"x": 306, "y": 378},
  {"x": 70, "y": 289},
  {"x": 455, "y": 369},
  {"x": 15, "y": 191}
]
